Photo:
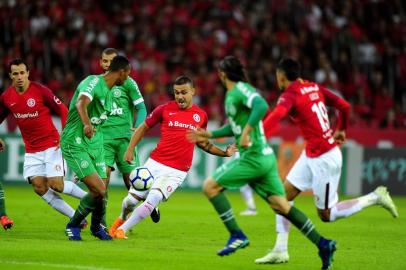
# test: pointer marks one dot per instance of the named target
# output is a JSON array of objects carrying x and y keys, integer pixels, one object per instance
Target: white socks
[
  {"x": 248, "y": 195},
  {"x": 70, "y": 188},
  {"x": 54, "y": 200},
  {"x": 143, "y": 210},
  {"x": 127, "y": 206},
  {"x": 282, "y": 233},
  {"x": 347, "y": 208}
]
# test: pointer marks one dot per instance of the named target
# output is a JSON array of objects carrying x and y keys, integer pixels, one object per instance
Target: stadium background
[{"x": 356, "y": 48}]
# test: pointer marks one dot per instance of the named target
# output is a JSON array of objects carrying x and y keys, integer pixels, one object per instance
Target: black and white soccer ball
[{"x": 141, "y": 178}]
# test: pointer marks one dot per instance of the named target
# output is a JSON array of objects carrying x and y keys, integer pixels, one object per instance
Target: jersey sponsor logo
[
  {"x": 116, "y": 92},
  {"x": 92, "y": 84},
  {"x": 26, "y": 115},
  {"x": 116, "y": 110},
  {"x": 31, "y": 102},
  {"x": 84, "y": 164},
  {"x": 196, "y": 117},
  {"x": 78, "y": 140},
  {"x": 57, "y": 100},
  {"x": 308, "y": 89},
  {"x": 98, "y": 120},
  {"x": 182, "y": 125}
]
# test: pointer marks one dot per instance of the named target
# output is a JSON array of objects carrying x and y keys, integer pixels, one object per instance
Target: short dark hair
[
  {"x": 233, "y": 68},
  {"x": 290, "y": 67},
  {"x": 109, "y": 51},
  {"x": 16, "y": 62},
  {"x": 119, "y": 62},
  {"x": 183, "y": 80}
]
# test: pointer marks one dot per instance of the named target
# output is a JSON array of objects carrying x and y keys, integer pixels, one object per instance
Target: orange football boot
[{"x": 117, "y": 223}]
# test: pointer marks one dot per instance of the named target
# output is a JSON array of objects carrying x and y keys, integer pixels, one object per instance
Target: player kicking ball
[
  {"x": 170, "y": 161},
  {"x": 319, "y": 166},
  {"x": 256, "y": 166}
]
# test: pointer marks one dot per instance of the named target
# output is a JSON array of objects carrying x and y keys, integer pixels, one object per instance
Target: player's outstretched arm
[
  {"x": 135, "y": 139},
  {"x": 258, "y": 111},
  {"x": 2, "y": 145},
  {"x": 81, "y": 105},
  {"x": 210, "y": 148}
]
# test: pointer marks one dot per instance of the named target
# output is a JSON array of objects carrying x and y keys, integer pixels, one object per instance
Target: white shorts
[
  {"x": 321, "y": 174},
  {"x": 166, "y": 179},
  {"x": 48, "y": 163}
]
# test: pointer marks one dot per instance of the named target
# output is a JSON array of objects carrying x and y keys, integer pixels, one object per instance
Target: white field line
[{"x": 56, "y": 265}]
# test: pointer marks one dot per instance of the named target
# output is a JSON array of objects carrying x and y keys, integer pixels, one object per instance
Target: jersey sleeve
[
  {"x": 286, "y": 100},
  {"x": 87, "y": 87},
  {"x": 246, "y": 95},
  {"x": 155, "y": 117},
  {"x": 54, "y": 103},
  {"x": 333, "y": 100},
  {"x": 134, "y": 92},
  {"x": 3, "y": 110}
]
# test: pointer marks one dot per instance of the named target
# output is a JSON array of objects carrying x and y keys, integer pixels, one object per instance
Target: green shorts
[
  {"x": 85, "y": 161},
  {"x": 114, "y": 150},
  {"x": 259, "y": 171}
]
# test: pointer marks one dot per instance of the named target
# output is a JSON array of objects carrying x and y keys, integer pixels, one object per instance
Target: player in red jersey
[
  {"x": 31, "y": 104},
  {"x": 5, "y": 222},
  {"x": 319, "y": 166},
  {"x": 170, "y": 161}
]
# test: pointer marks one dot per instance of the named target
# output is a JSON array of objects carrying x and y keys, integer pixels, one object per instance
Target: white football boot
[
  {"x": 385, "y": 200},
  {"x": 249, "y": 212},
  {"x": 274, "y": 257}
]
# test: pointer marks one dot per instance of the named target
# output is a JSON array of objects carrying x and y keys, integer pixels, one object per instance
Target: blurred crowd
[{"x": 356, "y": 48}]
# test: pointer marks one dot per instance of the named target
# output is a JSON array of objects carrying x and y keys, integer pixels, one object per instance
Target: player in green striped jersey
[
  {"x": 117, "y": 130},
  {"x": 256, "y": 166},
  {"x": 82, "y": 143}
]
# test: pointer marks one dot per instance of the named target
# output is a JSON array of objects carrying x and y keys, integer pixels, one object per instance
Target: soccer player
[
  {"x": 82, "y": 143},
  {"x": 31, "y": 104},
  {"x": 127, "y": 99},
  {"x": 319, "y": 166},
  {"x": 4, "y": 219},
  {"x": 170, "y": 161},
  {"x": 256, "y": 166}
]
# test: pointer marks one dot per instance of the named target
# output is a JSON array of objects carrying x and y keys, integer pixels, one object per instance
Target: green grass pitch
[{"x": 189, "y": 235}]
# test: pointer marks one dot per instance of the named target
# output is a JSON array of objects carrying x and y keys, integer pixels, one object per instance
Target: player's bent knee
[
  {"x": 154, "y": 197},
  {"x": 211, "y": 188}
]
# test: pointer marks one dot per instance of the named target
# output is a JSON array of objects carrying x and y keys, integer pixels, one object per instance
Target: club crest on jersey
[
  {"x": 196, "y": 117},
  {"x": 78, "y": 140},
  {"x": 57, "y": 100},
  {"x": 58, "y": 168},
  {"x": 116, "y": 93},
  {"x": 84, "y": 164},
  {"x": 31, "y": 102}
]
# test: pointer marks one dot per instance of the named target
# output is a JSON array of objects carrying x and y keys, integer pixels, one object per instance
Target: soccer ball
[{"x": 141, "y": 178}]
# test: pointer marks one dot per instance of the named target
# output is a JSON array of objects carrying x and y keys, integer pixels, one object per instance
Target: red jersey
[
  {"x": 173, "y": 149},
  {"x": 32, "y": 110},
  {"x": 306, "y": 104}
]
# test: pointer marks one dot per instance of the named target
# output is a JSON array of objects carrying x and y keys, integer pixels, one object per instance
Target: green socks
[
  {"x": 2, "y": 201},
  {"x": 304, "y": 224},
  {"x": 87, "y": 205},
  {"x": 223, "y": 208}
]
